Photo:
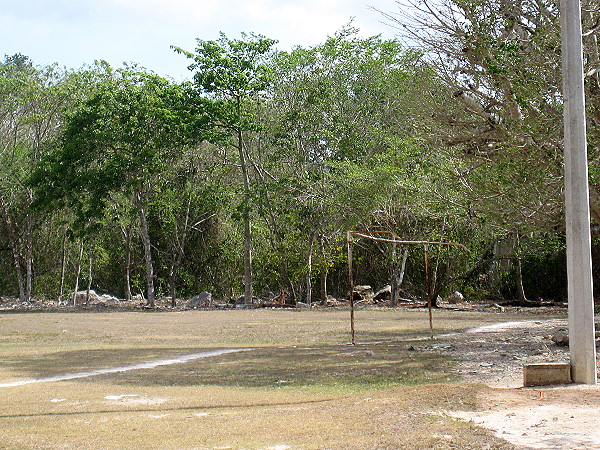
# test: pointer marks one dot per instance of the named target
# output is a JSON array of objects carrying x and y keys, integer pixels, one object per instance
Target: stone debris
[
  {"x": 456, "y": 298},
  {"x": 496, "y": 354},
  {"x": 202, "y": 300}
]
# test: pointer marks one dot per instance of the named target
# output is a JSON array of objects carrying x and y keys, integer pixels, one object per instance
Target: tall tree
[
  {"x": 235, "y": 74},
  {"x": 500, "y": 113},
  {"x": 32, "y": 105},
  {"x": 118, "y": 141},
  {"x": 340, "y": 137}
]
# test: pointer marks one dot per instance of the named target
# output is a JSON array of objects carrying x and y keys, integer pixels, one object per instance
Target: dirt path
[
  {"x": 550, "y": 418},
  {"x": 556, "y": 417}
]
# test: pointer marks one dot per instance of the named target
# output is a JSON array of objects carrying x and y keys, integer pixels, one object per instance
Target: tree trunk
[
  {"x": 436, "y": 286},
  {"x": 127, "y": 234},
  {"x": 63, "y": 265},
  {"x": 173, "y": 291},
  {"x": 29, "y": 259},
  {"x": 145, "y": 234},
  {"x": 324, "y": 286},
  {"x": 173, "y": 280},
  {"x": 285, "y": 282},
  {"x": 519, "y": 272},
  {"x": 13, "y": 237},
  {"x": 246, "y": 216},
  {"x": 89, "y": 281},
  {"x": 74, "y": 296},
  {"x": 247, "y": 260},
  {"x": 178, "y": 252},
  {"x": 397, "y": 278},
  {"x": 520, "y": 289},
  {"x": 309, "y": 273},
  {"x": 323, "y": 273}
]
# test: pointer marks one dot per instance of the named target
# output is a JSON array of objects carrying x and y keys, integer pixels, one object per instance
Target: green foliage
[
  {"x": 231, "y": 67},
  {"x": 33, "y": 103},
  {"x": 338, "y": 147},
  {"x": 232, "y": 73},
  {"x": 281, "y": 153},
  {"x": 122, "y": 135}
]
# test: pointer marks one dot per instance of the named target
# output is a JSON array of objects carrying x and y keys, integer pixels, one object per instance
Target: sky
[{"x": 73, "y": 33}]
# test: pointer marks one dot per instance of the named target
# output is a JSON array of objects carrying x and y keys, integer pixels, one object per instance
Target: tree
[
  {"x": 32, "y": 106},
  {"x": 234, "y": 74},
  {"x": 117, "y": 142},
  {"x": 339, "y": 143},
  {"x": 500, "y": 114},
  {"x": 189, "y": 196}
]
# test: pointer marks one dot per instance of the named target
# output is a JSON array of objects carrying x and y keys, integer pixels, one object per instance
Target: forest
[{"x": 245, "y": 180}]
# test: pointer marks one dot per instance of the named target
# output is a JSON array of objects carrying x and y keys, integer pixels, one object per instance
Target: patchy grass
[
  {"x": 330, "y": 368},
  {"x": 302, "y": 385}
]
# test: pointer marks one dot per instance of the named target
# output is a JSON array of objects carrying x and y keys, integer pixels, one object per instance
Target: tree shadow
[{"x": 366, "y": 365}]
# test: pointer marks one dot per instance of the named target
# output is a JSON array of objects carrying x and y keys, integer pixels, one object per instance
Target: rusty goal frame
[{"x": 395, "y": 239}]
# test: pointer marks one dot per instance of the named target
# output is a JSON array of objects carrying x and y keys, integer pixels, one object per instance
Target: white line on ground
[
  {"x": 492, "y": 327},
  {"x": 146, "y": 365},
  {"x": 504, "y": 325}
]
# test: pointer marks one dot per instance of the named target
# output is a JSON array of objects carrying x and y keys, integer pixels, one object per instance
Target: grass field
[{"x": 300, "y": 386}]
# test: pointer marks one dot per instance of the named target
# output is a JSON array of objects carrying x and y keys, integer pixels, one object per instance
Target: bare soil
[
  {"x": 550, "y": 417},
  {"x": 495, "y": 354},
  {"x": 338, "y": 399},
  {"x": 301, "y": 387}
]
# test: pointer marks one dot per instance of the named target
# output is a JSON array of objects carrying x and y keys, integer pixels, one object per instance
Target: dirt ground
[
  {"x": 492, "y": 354},
  {"x": 555, "y": 417},
  {"x": 301, "y": 387}
]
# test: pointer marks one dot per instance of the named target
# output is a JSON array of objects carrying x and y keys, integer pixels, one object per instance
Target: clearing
[{"x": 300, "y": 386}]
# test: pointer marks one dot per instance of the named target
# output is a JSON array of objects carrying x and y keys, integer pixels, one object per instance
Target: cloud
[
  {"x": 47, "y": 10},
  {"x": 168, "y": 10},
  {"x": 308, "y": 22},
  {"x": 291, "y": 22},
  {"x": 74, "y": 32}
]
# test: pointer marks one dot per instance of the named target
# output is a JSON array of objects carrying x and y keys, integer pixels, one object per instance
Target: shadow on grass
[
  {"x": 364, "y": 366},
  {"x": 164, "y": 409},
  {"x": 60, "y": 363}
]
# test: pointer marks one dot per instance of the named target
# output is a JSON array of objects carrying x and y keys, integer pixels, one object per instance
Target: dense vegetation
[{"x": 245, "y": 180}]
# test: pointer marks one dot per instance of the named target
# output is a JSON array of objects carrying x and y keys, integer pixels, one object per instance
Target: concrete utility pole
[{"x": 579, "y": 262}]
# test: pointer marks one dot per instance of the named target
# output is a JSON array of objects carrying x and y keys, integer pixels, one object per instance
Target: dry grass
[{"x": 302, "y": 386}]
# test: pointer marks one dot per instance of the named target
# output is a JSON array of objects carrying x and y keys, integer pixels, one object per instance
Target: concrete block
[{"x": 542, "y": 374}]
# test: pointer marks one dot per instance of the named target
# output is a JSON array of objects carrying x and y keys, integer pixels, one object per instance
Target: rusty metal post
[
  {"x": 351, "y": 285},
  {"x": 428, "y": 287},
  {"x": 394, "y": 241}
]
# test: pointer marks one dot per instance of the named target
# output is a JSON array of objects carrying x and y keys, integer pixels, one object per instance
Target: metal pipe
[
  {"x": 428, "y": 288},
  {"x": 351, "y": 285}
]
